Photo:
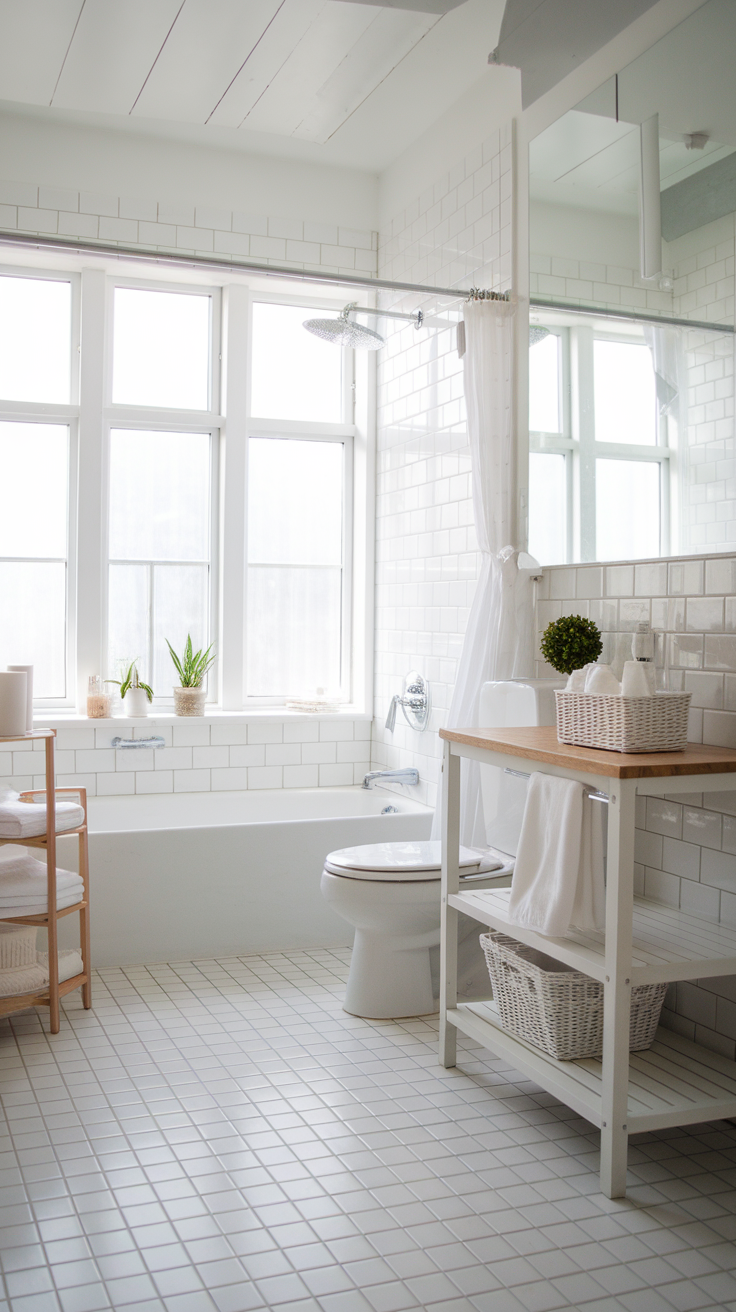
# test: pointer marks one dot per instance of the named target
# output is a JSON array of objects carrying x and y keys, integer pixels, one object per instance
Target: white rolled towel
[
  {"x": 638, "y": 679},
  {"x": 602, "y": 682},
  {"x": 19, "y": 819}
]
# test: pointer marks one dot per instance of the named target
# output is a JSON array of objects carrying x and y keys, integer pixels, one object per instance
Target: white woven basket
[
  {"x": 624, "y": 724},
  {"x": 556, "y": 1008}
]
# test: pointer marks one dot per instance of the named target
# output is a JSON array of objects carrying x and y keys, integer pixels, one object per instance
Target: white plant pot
[
  {"x": 189, "y": 701},
  {"x": 135, "y": 702}
]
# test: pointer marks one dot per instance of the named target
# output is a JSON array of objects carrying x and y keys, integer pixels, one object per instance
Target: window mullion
[
  {"x": 233, "y": 493},
  {"x": 92, "y": 484},
  {"x": 583, "y": 430}
]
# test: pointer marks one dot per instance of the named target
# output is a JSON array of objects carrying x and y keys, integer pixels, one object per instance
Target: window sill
[{"x": 59, "y": 719}]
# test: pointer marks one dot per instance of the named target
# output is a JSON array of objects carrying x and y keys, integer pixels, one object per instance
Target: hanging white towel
[{"x": 558, "y": 881}]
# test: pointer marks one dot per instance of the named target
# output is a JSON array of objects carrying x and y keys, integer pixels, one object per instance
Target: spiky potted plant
[
  {"x": 136, "y": 695},
  {"x": 192, "y": 667}
]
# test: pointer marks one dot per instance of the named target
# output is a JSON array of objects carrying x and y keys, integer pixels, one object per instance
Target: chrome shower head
[
  {"x": 344, "y": 331},
  {"x": 537, "y": 334}
]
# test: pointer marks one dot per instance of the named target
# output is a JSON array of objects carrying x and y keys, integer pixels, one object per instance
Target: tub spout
[{"x": 409, "y": 775}]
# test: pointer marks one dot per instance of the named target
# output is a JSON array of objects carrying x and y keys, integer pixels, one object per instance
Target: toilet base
[{"x": 388, "y": 982}]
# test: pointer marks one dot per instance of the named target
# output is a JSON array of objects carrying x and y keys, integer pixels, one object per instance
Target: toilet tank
[{"x": 510, "y": 704}]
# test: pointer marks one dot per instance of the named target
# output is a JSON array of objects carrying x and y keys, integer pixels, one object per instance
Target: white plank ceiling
[{"x": 294, "y": 68}]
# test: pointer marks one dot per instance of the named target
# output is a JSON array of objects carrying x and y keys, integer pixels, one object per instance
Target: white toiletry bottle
[{"x": 642, "y": 649}]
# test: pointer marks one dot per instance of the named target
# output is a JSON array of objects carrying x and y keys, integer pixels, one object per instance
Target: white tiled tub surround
[
  {"x": 686, "y": 845},
  {"x": 184, "y": 229},
  {"x": 458, "y": 233},
  {"x": 200, "y": 755}
]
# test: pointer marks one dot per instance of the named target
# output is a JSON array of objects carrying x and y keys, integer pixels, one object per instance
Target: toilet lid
[{"x": 403, "y": 861}]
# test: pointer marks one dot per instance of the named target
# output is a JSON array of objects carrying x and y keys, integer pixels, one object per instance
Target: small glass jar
[{"x": 99, "y": 702}]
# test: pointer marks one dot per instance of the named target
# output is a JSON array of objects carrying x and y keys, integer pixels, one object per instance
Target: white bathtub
[{"x": 178, "y": 876}]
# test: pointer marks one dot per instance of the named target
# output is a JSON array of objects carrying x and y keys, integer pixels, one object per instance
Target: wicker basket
[
  {"x": 624, "y": 724},
  {"x": 556, "y": 1008}
]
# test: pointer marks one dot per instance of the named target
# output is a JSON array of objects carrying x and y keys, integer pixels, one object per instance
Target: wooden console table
[{"x": 674, "y": 1083}]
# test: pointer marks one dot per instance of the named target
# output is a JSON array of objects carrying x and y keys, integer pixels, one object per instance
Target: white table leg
[
  {"x": 617, "y": 988},
  {"x": 450, "y": 885}
]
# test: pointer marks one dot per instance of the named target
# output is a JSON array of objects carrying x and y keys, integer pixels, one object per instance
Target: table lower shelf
[
  {"x": 39, "y": 997},
  {"x": 667, "y": 944},
  {"x": 674, "y": 1082}
]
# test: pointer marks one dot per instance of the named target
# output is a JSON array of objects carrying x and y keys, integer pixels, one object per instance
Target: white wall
[{"x": 55, "y": 153}]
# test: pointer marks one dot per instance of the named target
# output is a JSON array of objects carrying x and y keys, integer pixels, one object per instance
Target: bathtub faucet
[
  {"x": 138, "y": 742},
  {"x": 409, "y": 775}
]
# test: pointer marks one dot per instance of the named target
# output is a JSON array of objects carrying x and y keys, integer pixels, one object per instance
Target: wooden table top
[{"x": 540, "y": 744}]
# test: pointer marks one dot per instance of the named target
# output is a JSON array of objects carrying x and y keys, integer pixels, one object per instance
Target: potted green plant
[
  {"x": 191, "y": 667},
  {"x": 136, "y": 695},
  {"x": 570, "y": 643}
]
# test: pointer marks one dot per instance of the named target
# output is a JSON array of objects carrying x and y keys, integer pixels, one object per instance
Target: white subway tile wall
[
  {"x": 198, "y": 757},
  {"x": 457, "y": 234},
  {"x": 185, "y": 230},
  {"x": 685, "y": 845}
]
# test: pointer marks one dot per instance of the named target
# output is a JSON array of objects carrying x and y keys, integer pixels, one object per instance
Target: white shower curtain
[{"x": 497, "y": 641}]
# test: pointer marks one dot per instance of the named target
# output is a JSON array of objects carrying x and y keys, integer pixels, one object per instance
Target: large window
[
  {"x": 37, "y": 442},
  {"x": 176, "y": 461},
  {"x": 600, "y": 454}
]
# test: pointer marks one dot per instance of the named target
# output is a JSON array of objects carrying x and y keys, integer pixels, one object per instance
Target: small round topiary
[{"x": 570, "y": 643}]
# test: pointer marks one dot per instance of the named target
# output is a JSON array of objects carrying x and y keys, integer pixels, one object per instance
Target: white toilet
[{"x": 390, "y": 892}]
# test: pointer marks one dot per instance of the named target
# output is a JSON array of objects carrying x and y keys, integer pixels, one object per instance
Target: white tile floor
[{"x": 221, "y": 1136}]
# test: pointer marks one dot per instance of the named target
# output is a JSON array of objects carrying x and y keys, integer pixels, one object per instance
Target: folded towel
[
  {"x": 23, "y": 883},
  {"x": 20, "y": 819},
  {"x": 558, "y": 881},
  {"x": 32, "y": 978}
]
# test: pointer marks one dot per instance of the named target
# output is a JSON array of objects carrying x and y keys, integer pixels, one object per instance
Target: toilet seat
[{"x": 404, "y": 862}]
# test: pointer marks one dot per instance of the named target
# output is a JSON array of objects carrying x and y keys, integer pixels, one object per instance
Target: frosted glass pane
[
  {"x": 294, "y": 620},
  {"x": 159, "y": 495},
  {"x": 34, "y": 460},
  {"x": 180, "y": 606},
  {"x": 547, "y": 508},
  {"x": 294, "y": 375},
  {"x": 295, "y": 493},
  {"x": 33, "y": 623},
  {"x": 627, "y": 509},
  {"x": 161, "y": 349},
  {"x": 625, "y": 393},
  {"x": 35, "y": 340},
  {"x": 544, "y": 385},
  {"x": 128, "y": 622}
]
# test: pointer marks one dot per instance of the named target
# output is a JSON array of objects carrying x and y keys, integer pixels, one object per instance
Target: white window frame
[
  {"x": 35, "y": 412},
  {"x": 578, "y": 444},
  {"x": 345, "y": 433}
]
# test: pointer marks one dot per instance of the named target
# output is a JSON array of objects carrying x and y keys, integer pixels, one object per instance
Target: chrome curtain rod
[
  {"x": 147, "y": 256},
  {"x": 629, "y": 315}
]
